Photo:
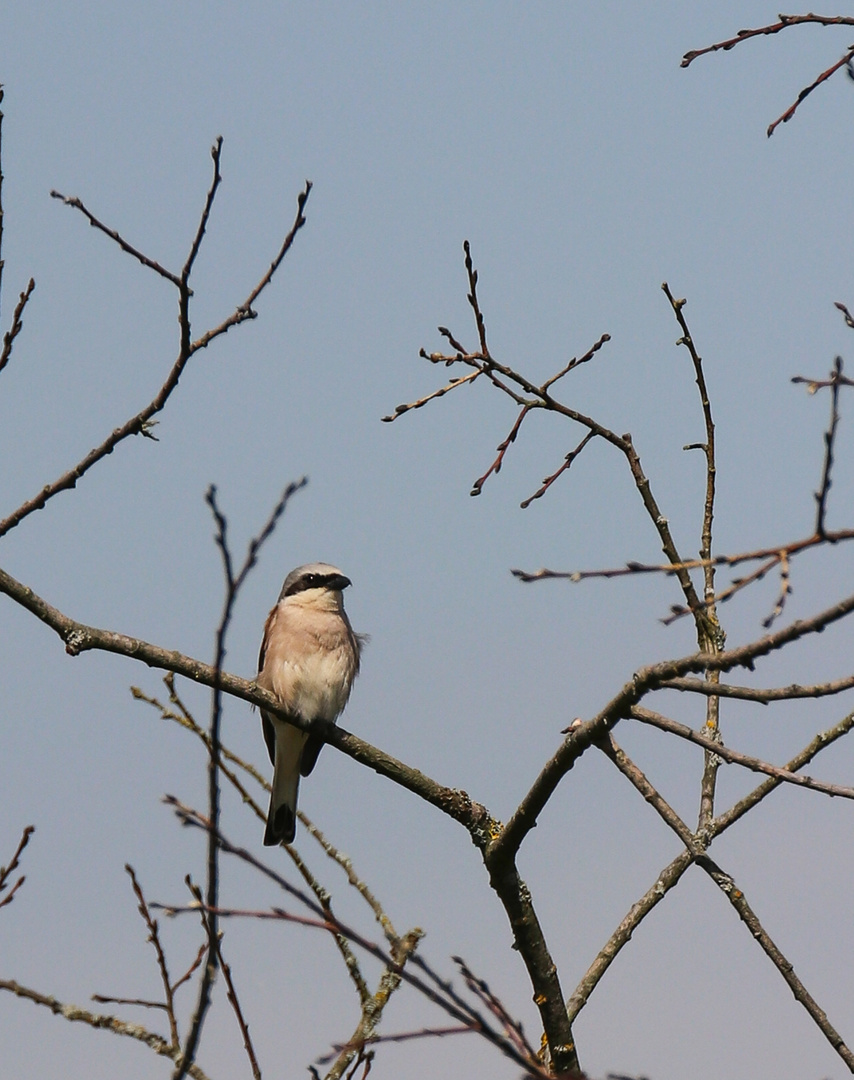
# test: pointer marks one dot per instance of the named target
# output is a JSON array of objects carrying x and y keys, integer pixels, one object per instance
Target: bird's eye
[{"x": 311, "y": 579}]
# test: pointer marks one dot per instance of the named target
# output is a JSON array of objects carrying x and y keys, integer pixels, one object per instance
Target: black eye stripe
[{"x": 310, "y": 581}]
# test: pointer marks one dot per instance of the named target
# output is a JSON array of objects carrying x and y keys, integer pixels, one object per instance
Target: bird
[{"x": 309, "y": 659}]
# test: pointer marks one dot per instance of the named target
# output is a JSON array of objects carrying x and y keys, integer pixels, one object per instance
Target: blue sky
[{"x": 585, "y": 167}]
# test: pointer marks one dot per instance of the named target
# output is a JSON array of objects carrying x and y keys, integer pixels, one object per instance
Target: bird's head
[{"x": 315, "y": 584}]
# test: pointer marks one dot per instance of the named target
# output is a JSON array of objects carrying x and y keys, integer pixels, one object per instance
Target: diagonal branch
[
  {"x": 5, "y": 871},
  {"x": 672, "y": 874},
  {"x": 775, "y": 28},
  {"x": 713, "y": 746},
  {"x": 96, "y": 223},
  {"x": 17, "y": 323},
  {"x": 763, "y": 697},
  {"x": 803, "y": 757},
  {"x": 142, "y": 422},
  {"x": 73, "y": 1013},
  {"x": 747, "y": 915},
  {"x": 154, "y": 938},
  {"x": 807, "y": 90}
]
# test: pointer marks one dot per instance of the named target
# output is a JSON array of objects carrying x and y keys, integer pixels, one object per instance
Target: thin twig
[
  {"x": 73, "y": 1013},
  {"x": 96, "y": 223},
  {"x": 17, "y": 323},
  {"x": 762, "y": 697},
  {"x": 444, "y": 996},
  {"x": 803, "y": 757},
  {"x": 142, "y": 422},
  {"x": 577, "y": 362},
  {"x": 567, "y": 464},
  {"x": 785, "y": 117},
  {"x": 5, "y": 871},
  {"x": 231, "y": 994},
  {"x": 669, "y": 877},
  {"x": 451, "y": 385},
  {"x": 672, "y": 874},
  {"x": 505, "y": 378},
  {"x": 664, "y": 723},
  {"x": 829, "y": 437},
  {"x": 397, "y": 1037},
  {"x": 738, "y": 900},
  {"x": 709, "y": 634},
  {"x": 216, "y": 154},
  {"x": 774, "y": 28},
  {"x": 154, "y": 938},
  {"x": 353, "y": 878},
  {"x": 502, "y": 448},
  {"x": 233, "y": 585}
]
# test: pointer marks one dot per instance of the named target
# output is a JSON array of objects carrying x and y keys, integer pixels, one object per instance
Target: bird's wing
[
  {"x": 310, "y": 751},
  {"x": 269, "y": 736}
]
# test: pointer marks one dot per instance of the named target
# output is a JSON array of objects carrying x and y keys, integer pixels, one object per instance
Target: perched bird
[{"x": 309, "y": 659}]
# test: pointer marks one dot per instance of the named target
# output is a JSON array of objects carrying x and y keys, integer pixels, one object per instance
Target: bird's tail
[{"x": 282, "y": 816}]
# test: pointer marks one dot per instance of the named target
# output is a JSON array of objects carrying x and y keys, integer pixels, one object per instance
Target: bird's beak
[{"x": 340, "y": 582}]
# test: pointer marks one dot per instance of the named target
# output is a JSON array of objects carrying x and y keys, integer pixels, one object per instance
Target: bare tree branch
[
  {"x": 142, "y": 422},
  {"x": 739, "y": 901},
  {"x": 762, "y": 697},
  {"x": 5, "y": 871},
  {"x": 664, "y": 723},
  {"x": 17, "y": 324},
  {"x": 154, "y": 938},
  {"x": 775, "y": 28},
  {"x": 73, "y": 1013}
]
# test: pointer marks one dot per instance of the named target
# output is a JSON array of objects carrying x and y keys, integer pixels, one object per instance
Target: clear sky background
[{"x": 564, "y": 141}]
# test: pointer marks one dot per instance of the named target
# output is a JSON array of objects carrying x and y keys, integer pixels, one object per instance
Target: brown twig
[
  {"x": 695, "y": 847},
  {"x": 709, "y": 633},
  {"x": 538, "y": 396},
  {"x": 567, "y": 464},
  {"x": 775, "y": 28},
  {"x": 803, "y": 757},
  {"x": 142, "y": 422},
  {"x": 785, "y": 117},
  {"x": 346, "y": 864},
  {"x": 651, "y": 795},
  {"x": 672, "y": 874},
  {"x": 735, "y": 757},
  {"x": 231, "y": 991},
  {"x": 785, "y": 590},
  {"x": 577, "y": 361},
  {"x": 829, "y": 437},
  {"x": 774, "y": 556},
  {"x": 17, "y": 324},
  {"x": 193, "y": 968},
  {"x": 96, "y": 223},
  {"x": 763, "y": 697},
  {"x": 738, "y": 900},
  {"x": 480, "y": 988},
  {"x": 849, "y": 322},
  {"x": 668, "y": 879},
  {"x": 216, "y": 154},
  {"x": 440, "y": 992},
  {"x": 451, "y": 385},
  {"x": 154, "y": 937},
  {"x": 396, "y": 1037},
  {"x": 73, "y": 1013},
  {"x": 374, "y": 1006},
  {"x": 502, "y": 448},
  {"x": 5, "y": 871},
  {"x": 233, "y": 584}
]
